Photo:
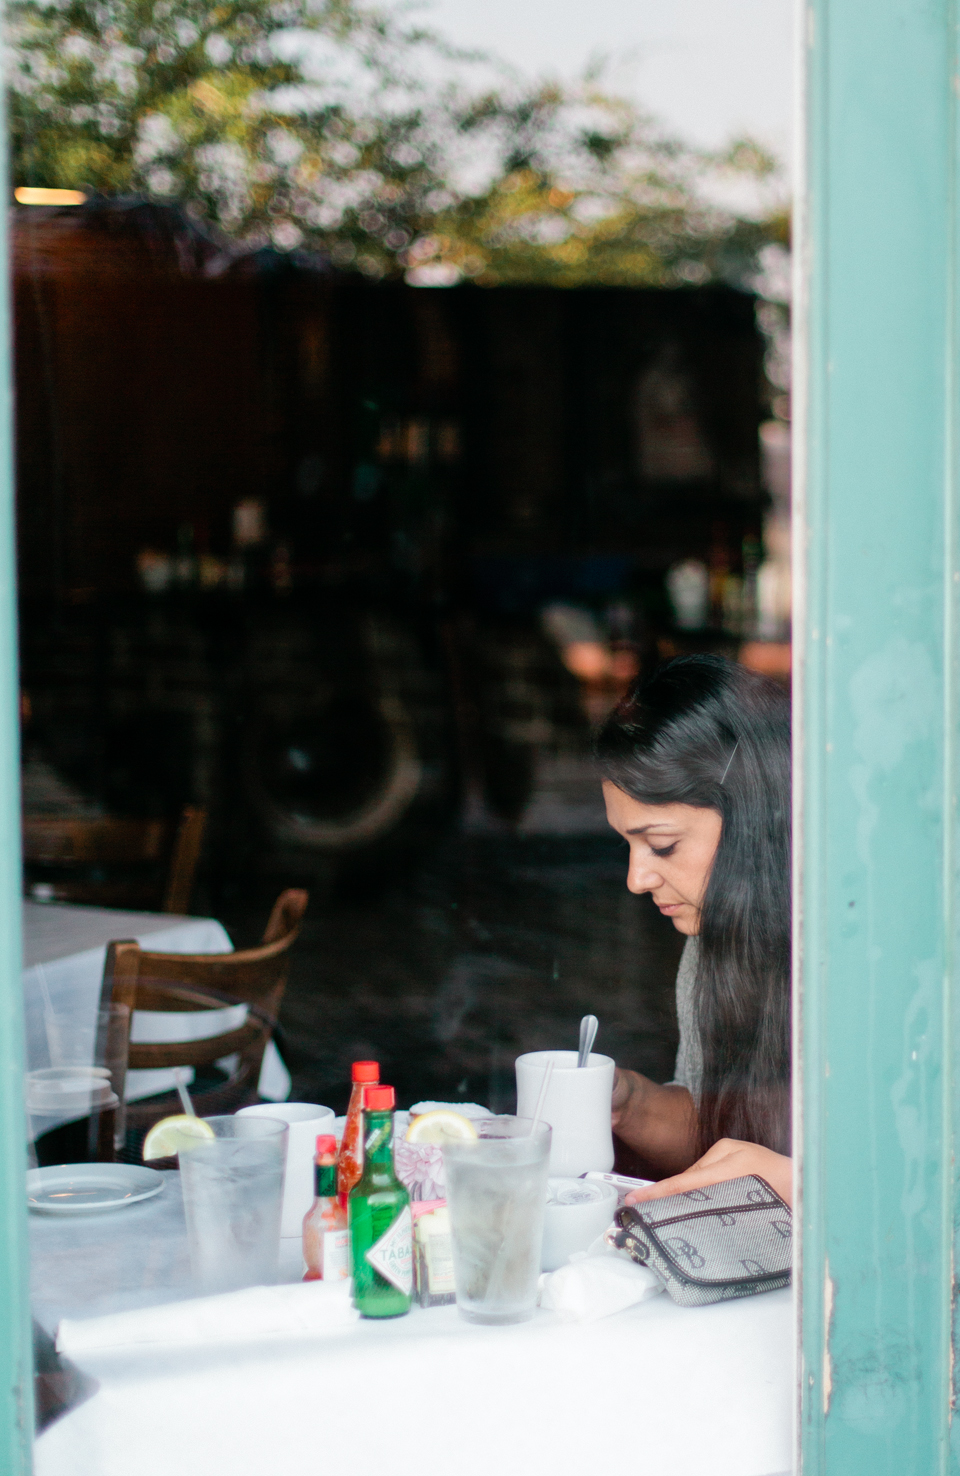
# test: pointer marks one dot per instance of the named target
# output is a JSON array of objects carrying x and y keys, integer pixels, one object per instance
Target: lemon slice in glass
[
  {"x": 442, "y": 1126},
  {"x": 175, "y": 1135}
]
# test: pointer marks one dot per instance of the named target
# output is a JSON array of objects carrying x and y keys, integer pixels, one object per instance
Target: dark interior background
[{"x": 371, "y": 697}]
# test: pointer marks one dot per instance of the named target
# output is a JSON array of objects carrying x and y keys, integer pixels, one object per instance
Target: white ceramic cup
[
  {"x": 577, "y": 1107},
  {"x": 305, "y": 1121},
  {"x": 578, "y": 1210}
]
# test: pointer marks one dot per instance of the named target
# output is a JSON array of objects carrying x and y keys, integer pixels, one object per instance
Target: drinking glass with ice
[
  {"x": 497, "y": 1193},
  {"x": 232, "y": 1195}
]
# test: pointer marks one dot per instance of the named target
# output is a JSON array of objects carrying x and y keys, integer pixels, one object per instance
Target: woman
[{"x": 697, "y": 781}]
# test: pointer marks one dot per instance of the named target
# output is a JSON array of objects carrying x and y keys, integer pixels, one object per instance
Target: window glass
[{"x": 403, "y": 532}]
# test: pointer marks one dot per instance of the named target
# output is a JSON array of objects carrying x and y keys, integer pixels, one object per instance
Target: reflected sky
[{"x": 711, "y": 69}]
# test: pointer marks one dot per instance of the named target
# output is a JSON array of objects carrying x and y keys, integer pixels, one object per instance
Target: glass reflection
[{"x": 329, "y": 583}]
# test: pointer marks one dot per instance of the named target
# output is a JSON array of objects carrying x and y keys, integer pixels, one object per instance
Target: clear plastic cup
[
  {"x": 497, "y": 1193},
  {"x": 233, "y": 1196},
  {"x": 83, "y": 1055}
]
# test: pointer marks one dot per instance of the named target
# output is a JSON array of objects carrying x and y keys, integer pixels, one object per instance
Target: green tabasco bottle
[{"x": 381, "y": 1235}]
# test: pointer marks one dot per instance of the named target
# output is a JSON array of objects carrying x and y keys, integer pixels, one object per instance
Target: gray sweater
[{"x": 689, "y": 1068}]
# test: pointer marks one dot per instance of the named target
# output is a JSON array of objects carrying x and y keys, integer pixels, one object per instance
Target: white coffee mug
[
  {"x": 577, "y": 1107},
  {"x": 305, "y": 1120}
]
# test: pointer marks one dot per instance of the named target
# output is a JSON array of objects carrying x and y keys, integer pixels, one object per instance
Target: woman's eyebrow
[{"x": 657, "y": 825}]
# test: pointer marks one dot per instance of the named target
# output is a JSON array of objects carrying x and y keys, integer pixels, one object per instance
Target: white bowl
[{"x": 578, "y": 1210}]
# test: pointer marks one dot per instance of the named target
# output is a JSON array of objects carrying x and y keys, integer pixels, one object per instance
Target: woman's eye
[{"x": 666, "y": 851}]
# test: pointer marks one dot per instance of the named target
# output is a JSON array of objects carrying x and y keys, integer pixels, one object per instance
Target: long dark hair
[{"x": 705, "y": 732}]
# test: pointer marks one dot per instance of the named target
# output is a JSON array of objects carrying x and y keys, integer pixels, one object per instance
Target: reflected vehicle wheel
[{"x": 338, "y": 775}]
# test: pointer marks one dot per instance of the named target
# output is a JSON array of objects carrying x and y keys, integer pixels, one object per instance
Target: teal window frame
[
  {"x": 16, "y": 1354},
  {"x": 876, "y": 754},
  {"x": 876, "y": 874}
]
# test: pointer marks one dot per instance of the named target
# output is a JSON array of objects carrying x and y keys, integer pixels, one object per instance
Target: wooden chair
[
  {"x": 112, "y": 862},
  {"x": 186, "y": 982}
]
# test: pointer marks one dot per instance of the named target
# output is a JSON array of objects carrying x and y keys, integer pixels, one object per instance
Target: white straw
[
  {"x": 48, "y": 1002},
  {"x": 184, "y": 1095},
  {"x": 542, "y": 1097},
  {"x": 48, "y": 1015}
]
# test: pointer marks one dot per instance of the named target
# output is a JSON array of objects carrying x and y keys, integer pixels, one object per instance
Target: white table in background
[
  {"x": 661, "y": 1390},
  {"x": 64, "y": 948}
]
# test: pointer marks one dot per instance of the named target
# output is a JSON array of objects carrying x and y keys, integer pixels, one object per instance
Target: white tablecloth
[
  {"x": 64, "y": 948},
  {"x": 659, "y": 1389}
]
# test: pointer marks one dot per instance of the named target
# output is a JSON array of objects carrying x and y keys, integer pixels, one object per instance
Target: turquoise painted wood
[
  {"x": 16, "y": 1383},
  {"x": 877, "y": 536}
]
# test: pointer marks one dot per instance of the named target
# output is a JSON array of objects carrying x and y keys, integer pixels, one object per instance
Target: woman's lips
[{"x": 668, "y": 908}]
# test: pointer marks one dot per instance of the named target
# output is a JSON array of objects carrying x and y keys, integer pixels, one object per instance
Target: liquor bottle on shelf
[
  {"x": 752, "y": 555},
  {"x": 381, "y": 1228},
  {"x": 350, "y": 1160},
  {"x": 186, "y": 565},
  {"x": 326, "y": 1237}
]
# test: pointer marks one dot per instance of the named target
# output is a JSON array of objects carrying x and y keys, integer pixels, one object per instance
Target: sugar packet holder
[
  {"x": 727, "y": 1240},
  {"x": 419, "y": 1168},
  {"x": 432, "y": 1253}
]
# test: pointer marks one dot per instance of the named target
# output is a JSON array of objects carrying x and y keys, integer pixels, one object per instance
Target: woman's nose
[{"x": 641, "y": 877}]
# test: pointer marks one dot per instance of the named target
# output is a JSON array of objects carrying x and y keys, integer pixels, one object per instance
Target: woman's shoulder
[
  {"x": 689, "y": 1067},
  {"x": 689, "y": 958}
]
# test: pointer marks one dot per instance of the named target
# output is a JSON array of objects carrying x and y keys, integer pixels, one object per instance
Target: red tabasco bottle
[
  {"x": 326, "y": 1239},
  {"x": 350, "y": 1160}
]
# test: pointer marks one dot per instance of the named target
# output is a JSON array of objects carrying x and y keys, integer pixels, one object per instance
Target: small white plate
[{"x": 79, "y": 1188}]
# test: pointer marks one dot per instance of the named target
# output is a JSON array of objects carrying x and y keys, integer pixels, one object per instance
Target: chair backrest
[
  {"x": 184, "y": 859},
  {"x": 187, "y": 982},
  {"x": 68, "y": 841},
  {"x": 70, "y": 845}
]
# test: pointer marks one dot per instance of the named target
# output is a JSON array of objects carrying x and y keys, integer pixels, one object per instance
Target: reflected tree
[{"x": 328, "y": 126}]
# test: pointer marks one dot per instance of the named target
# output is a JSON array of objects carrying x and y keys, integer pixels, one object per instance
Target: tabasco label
[{"x": 392, "y": 1254}]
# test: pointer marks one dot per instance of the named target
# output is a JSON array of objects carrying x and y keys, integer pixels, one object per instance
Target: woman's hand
[{"x": 727, "y": 1159}]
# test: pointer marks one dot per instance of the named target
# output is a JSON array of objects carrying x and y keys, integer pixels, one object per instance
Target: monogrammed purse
[{"x": 728, "y": 1240}]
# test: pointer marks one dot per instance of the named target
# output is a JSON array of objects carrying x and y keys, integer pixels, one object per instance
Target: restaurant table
[
  {"x": 64, "y": 948},
  {"x": 659, "y": 1389}
]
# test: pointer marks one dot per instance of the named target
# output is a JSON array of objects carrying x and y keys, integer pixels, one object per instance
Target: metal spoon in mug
[{"x": 589, "y": 1026}]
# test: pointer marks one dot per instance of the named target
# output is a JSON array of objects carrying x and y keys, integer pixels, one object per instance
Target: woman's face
[{"x": 671, "y": 852}]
